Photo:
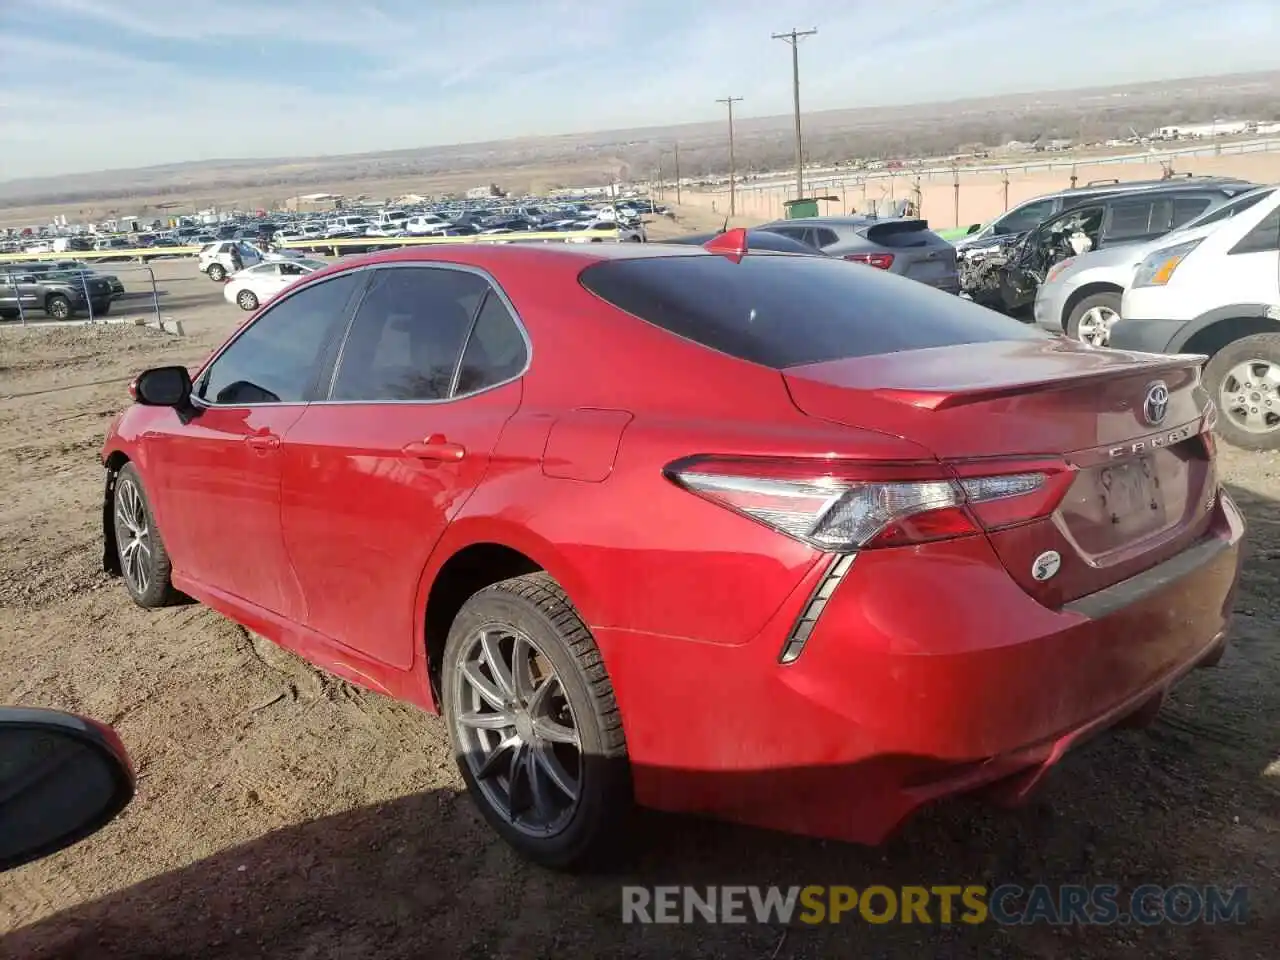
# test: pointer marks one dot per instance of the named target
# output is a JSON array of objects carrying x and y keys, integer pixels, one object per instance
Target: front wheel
[
  {"x": 217, "y": 272},
  {"x": 534, "y": 724},
  {"x": 1244, "y": 380},
  {"x": 144, "y": 562},
  {"x": 1093, "y": 317},
  {"x": 247, "y": 300}
]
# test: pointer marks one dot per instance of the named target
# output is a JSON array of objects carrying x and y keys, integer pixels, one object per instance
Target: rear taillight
[
  {"x": 882, "y": 261},
  {"x": 841, "y": 505}
]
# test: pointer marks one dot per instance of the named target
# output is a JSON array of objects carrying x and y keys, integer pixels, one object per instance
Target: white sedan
[{"x": 252, "y": 286}]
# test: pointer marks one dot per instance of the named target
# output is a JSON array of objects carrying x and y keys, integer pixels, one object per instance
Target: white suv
[{"x": 1218, "y": 295}]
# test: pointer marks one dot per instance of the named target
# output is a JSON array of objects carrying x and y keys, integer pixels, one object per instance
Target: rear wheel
[
  {"x": 1244, "y": 380},
  {"x": 1093, "y": 317},
  {"x": 144, "y": 562},
  {"x": 101, "y": 307},
  {"x": 247, "y": 300},
  {"x": 534, "y": 724},
  {"x": 217, "y": 272}
]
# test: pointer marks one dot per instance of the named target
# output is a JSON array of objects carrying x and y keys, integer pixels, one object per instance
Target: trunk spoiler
[{"x": 945, "y": 398}]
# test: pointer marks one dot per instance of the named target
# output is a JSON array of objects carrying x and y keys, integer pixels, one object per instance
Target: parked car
[
  {"x": 903, "y": 246},
  {"x": 1080, "y": 296},
  {"x": 57, "y": 297},
  {"x": 215, "y": 259},
  {"x": 550, "y": 490},
  {"x": 1218, "y": 295},
  {"x": 1029, "y": 214},
  {"x": 756, "y": 240},
  {"x": 1007, "y": 279},
  {"x": 255, "y": 285}
]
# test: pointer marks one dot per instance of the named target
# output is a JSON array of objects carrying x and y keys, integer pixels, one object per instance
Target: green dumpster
[{"x": 806, "y": 207}]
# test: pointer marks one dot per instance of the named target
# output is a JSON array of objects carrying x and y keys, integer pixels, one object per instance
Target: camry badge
[
  {"x": 1046, "y": 565},
  {"x": 1156, "y": 405}
]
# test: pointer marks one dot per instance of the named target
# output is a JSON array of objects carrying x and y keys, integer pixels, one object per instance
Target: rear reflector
[
  {"x": 840, "y": 506},
  {"x": 882, "y": 261}
]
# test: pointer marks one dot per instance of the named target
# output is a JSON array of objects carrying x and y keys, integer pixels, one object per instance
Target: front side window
[
  {"x": 278, "y": 358},
  {"x": 408, "y": 335}
]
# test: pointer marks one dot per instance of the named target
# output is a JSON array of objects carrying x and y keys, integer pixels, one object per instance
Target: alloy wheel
[
  {"x": 1095, "y": 325},
  {"x": 133, "y": 536},
  {"x": 516, "y": 729},
  {"x": 247, "y": 300},
  {"x": 1250, "y": 396}
]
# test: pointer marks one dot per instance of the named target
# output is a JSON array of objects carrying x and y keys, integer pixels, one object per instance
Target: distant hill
[{"x": 762, "y": 143}]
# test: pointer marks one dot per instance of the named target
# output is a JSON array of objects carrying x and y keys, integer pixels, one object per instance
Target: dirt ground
[{"x": 283, "y": 813}]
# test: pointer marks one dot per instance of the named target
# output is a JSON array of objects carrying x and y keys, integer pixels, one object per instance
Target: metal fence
[{"x": 140, "y": 293}]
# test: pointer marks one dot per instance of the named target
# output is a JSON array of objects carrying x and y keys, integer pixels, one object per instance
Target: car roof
[{"x": 1142, "y": 186}]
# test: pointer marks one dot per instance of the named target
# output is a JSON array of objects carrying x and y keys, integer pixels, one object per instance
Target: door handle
[
  {"x": 263, "y": 441},
  {"x": 435, "y": 447}
]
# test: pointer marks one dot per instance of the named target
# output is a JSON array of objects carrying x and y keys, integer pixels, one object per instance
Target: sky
[{"x": 104, "y": 84}]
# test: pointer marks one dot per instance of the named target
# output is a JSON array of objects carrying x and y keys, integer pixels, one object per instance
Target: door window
[
  {"x": 408, "y": 334},
  {"x": 1131, "y": 218},
  {"x": 280, "y": 356}
]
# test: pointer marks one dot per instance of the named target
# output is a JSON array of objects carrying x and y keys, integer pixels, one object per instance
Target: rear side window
[
  {"x": 495, "y": 350},
  {"x": 1186, "y": 209},
  {"x": 782, "y": 311}
]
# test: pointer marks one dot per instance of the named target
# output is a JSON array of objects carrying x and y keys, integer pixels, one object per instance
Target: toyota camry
[{"x": 747, "y": 534}]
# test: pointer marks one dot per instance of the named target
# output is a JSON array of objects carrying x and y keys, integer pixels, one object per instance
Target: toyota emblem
[{"x": 1156, "y": 405}]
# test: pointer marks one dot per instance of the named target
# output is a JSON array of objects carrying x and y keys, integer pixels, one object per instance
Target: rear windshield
[{"x": 783, "y": 311}]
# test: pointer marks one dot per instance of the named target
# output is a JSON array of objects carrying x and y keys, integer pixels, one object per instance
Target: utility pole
[
  {"x": 677, "y": 173},
  {"x": 730, "y": 101},
  {"x": 794, "y": 38}
]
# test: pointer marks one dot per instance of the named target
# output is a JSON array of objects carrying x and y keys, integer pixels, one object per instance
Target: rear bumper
[{"x": 897, "y": 701}]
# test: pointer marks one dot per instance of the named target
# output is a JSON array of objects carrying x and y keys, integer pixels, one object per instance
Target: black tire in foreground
[
  {"x": 534, "y": 724},
  {"x": 1243, "y": 378},
  {"x": 144, "y": 562}
]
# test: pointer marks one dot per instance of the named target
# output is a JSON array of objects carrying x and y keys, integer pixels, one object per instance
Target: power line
[
  {"x": 794, "y": 38},
  {"x": 729, "y": 102}
]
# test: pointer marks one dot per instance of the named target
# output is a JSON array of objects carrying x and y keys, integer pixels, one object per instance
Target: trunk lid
[
  {"x": 1142, "y": 490},
  {"x": 918, "y": 252}
]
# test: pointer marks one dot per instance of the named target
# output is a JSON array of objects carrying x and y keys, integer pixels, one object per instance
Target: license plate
[{"x": 1131, "y": 494}]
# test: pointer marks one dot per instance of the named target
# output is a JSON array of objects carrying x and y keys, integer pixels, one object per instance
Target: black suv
[
  {"x": 59, "y": 297},
  {"x": 1007, "y": 275}
]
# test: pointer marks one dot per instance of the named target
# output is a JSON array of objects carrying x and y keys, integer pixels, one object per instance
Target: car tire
[
  {"x": 529, "y": 620},
  {"x": 1243, "y": 378},
  {"x": 101, "y": 307},
  {"x": 146, "y": 570},
  {"x": 1091, "y": 319},
  {"x": 247, "y": 300},
  {"x": 217, "y": 272},
  {"x": 58, "y": 307}
]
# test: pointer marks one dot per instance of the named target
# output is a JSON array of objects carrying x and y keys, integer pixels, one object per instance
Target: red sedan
[{"x": 775, "y": 538}]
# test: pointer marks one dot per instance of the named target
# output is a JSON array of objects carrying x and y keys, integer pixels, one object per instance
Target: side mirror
[
  {"x": 973, "y": 228},
  {"x": 62, "y": 777},
  {"x": 162, "y": 387}
]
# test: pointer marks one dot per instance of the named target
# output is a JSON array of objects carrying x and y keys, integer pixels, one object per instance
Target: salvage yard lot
[{"x": 284, "y": 813}]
